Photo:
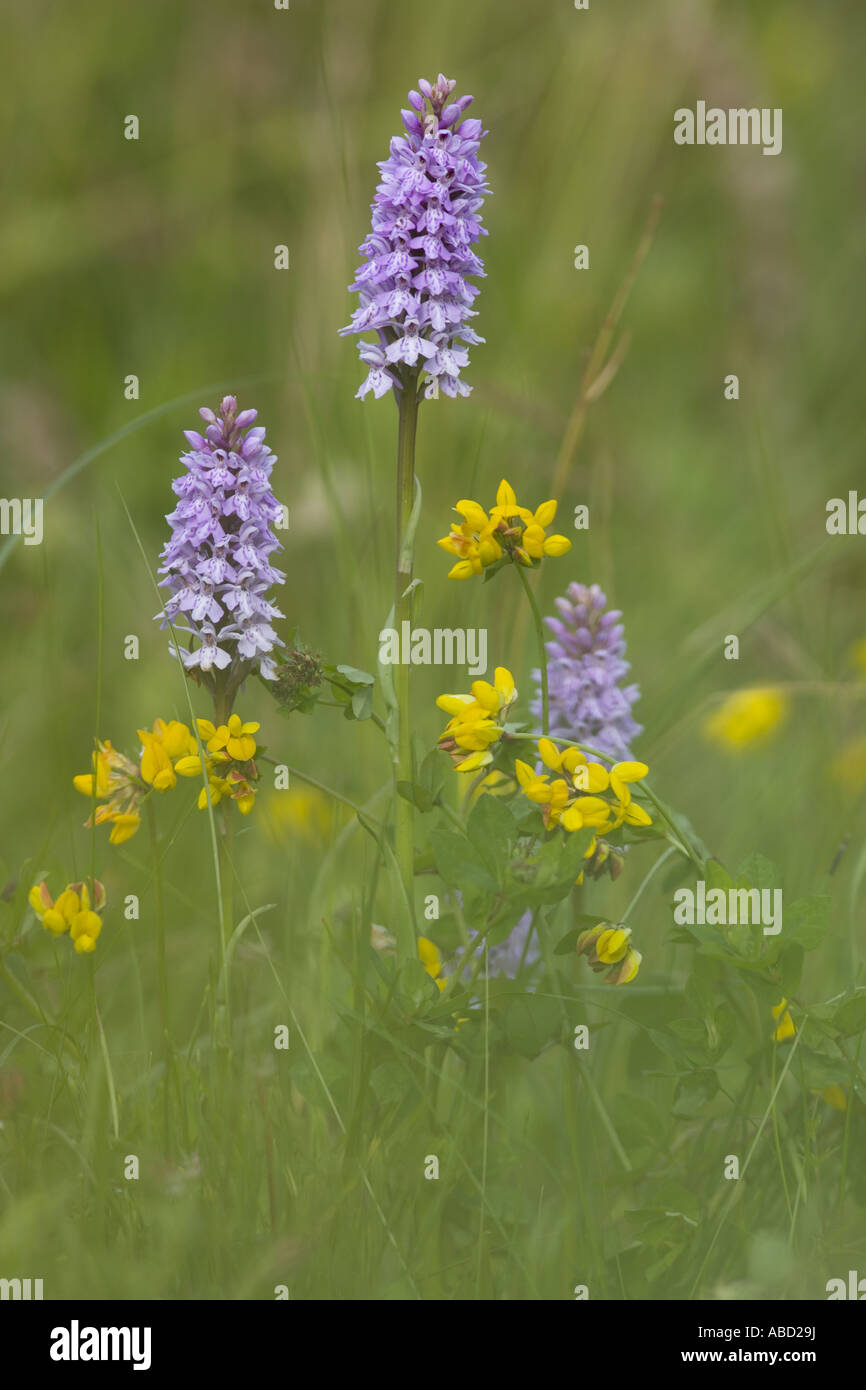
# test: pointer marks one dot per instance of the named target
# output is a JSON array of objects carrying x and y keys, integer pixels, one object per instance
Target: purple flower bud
[{"x": 413, "y": 287}]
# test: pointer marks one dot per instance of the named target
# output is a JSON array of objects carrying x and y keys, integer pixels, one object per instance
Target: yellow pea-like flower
[
  {"x": 786, "y": 1027},
  {"x": 124, "y": 826},
  {"x": 554, "y": 546},
  {"x": 430, "y": 958}
]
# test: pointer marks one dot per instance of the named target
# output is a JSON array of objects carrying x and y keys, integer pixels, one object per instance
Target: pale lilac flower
[
  {"x": 426, "y": 217},
  {"x": 505, "y": 958},
  {"x": 585, "y": 669},
  {"x": 216, "y": 563}
]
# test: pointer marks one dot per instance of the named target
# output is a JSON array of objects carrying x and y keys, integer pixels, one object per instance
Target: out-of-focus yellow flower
[
  {"x": 849, "y": 766},
  {"x": 477, "y": 720},
  {"x": 834, "y": 1096},
  {"x": 301, "y": 813},
  {"x": 510, "y": 531},
  {"x": 73, "y": 912},
  {"x": 747, "y": 717},
  {"x": 857, "y": 656},
  {"x": 428, "y": 954},
  {"x": 786, "y": 1028},
  {"x": 609, "y": 948}
]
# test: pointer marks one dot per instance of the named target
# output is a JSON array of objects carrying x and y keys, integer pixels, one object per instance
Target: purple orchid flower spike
[
  {"x": 217, "y": 562},
  {"x": 413, "y": 285},
  {"x": 586, "y": 666}
]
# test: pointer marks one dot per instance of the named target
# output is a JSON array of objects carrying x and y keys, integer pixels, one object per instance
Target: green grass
[{"x": 304, "y": 1167}]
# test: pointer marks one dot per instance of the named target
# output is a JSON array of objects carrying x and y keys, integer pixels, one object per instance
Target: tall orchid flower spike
[{"x": 414, "y": 290}]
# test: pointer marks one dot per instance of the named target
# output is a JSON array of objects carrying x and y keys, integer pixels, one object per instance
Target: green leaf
[
  {"x": 806, "y": 922},
  {"x": 492, "y": 830},
  {"x": 694, "y": 1092},
  {"x": 362, "y": 702},
  {"x": 407, "y": 541},
  {"x": 356, "y": 677},
  {"x": 418, "y": 796},
  {"x": 850, "y": 1016},
  {"x": 717, "y": 876},
  {"x": 758, "y": 872},
  {"x": 431, "y": 773},
  {"x": 530, "y": 1022},
  {"x": 390, "y": 1081},
  {"x": 458, "y": 862},
  {"x": 790, "y": 969}
]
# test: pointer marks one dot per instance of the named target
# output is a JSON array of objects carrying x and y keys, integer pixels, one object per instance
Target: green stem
[
  {"x": 162, "y": 972},
  {"x": 160, "y": 927},
  {"x": 223, "y": 701},
  {"x": 542, "y": 652},
  {"x": 404, "y": 840}
]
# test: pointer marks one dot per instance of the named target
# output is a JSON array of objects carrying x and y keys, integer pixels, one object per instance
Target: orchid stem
[{"x": 404, "y": 839}]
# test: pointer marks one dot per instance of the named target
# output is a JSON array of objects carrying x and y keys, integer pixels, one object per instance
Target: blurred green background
[{"x": 155, "y": 257}]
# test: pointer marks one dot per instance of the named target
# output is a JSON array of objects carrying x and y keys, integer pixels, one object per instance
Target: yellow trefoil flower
[
  {"x": 73, "y": 912},
  {"x": 747, "y": 717},
  {"x": 235, "y": 737},
  {"x": 430, "y": 958},
  {"x": 477, "y": 720},
  {"x": 232, "y": 742},
  {"x": 163, "y": 748},
  {"x": 509, "y": 531},
  {"x": 574, "y": 799},
  {"x": 605, "y": 947},
  {"x": 116, "y": 778},
  {"x": 786, "y": 1028}
]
